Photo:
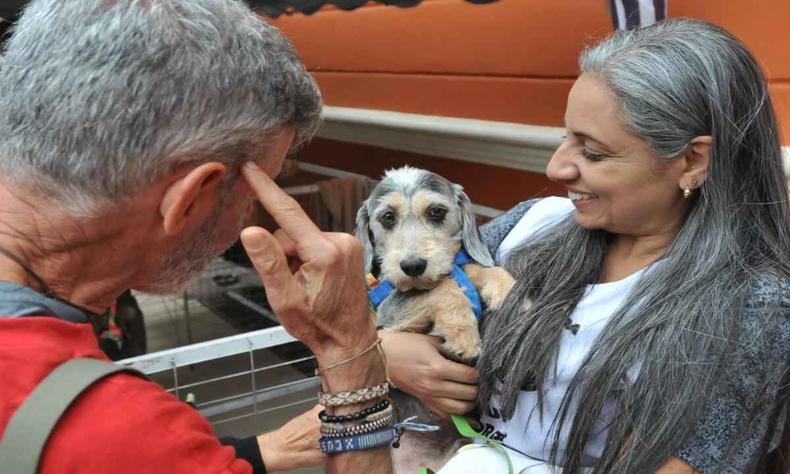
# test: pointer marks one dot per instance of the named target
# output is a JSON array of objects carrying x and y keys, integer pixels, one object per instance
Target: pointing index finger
[{"x": 282, "y": 207}]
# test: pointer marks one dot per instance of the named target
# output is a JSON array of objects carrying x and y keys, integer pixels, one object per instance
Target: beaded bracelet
[
  {"x": 380, "y": 406},
  {"x": 358, "y": 429},
  {"x": 377, "y": 416},
  {"x": 353, "y": 397},
  {"x": 386, "y": 414}
]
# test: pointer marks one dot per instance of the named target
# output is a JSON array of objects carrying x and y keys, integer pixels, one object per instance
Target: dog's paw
[
  {"x": 497, "y": 286},
  {"x": 464, "y": 347}
]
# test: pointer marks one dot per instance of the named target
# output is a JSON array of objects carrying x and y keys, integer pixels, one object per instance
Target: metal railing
[{"x": 249, "y": 396}]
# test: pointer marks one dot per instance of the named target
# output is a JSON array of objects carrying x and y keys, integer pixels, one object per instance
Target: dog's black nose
[{"x": 414, "y": 267}]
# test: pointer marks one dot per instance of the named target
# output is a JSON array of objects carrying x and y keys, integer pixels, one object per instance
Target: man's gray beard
[{"x": 187, "y": 261}]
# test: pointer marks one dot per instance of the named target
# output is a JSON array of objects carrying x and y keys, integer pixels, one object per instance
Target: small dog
[{"x": 413, "y": 228}]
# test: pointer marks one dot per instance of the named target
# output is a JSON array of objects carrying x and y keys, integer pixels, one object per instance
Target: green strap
[
  {"x": 466, "y": 430},
  {"x": 27, "y": 433}
]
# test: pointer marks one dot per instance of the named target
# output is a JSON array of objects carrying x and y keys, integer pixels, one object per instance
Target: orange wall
[
  {"x": 487, "y": 185},
  {"x": 512, "y": 60}
]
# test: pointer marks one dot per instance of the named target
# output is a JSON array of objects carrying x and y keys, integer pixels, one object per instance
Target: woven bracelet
[
  {"x": 354, "y": 397},
  {"x": 371, "y": 440},
  {"x": 380, "y": 406}
]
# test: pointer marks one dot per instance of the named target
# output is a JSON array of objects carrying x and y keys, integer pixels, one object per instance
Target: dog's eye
[
  {"x": 437, "y": 214},
  {"x": 387, "y": 219}
]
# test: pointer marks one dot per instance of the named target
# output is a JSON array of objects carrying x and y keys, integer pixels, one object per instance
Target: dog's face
[{"x": 413, "y": 224}]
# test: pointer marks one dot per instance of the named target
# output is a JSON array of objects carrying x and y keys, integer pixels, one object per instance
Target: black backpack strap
[{"x": 27, "y": 433}]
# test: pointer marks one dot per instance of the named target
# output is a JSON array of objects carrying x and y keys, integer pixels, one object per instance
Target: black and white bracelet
[
  {"x": 381, "y": 406},
  {"x": 335, "y": 430}
]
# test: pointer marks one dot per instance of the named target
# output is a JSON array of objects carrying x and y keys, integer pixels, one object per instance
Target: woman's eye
[
  {"x": 437, "y": 214},
  {"x": 387, "y": 219},
  {"x": 591, "y": 155}
]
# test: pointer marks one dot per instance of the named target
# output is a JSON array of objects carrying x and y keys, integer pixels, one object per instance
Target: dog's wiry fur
[{"x": 417, "y": 216}]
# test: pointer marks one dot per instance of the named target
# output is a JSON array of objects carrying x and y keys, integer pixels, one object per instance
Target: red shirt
[{"x": 121, "y": 424}]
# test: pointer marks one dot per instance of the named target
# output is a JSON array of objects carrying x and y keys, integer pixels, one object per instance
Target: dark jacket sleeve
[{"x": 247, "y": 449}]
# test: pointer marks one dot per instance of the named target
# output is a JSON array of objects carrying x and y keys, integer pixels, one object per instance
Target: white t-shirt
[{"x": 525, "y": 432}]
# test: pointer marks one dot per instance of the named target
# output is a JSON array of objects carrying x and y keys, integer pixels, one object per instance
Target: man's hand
[
  {"x": 294, "y": 445},
  {"x": 323, "y": 302},
  {"x": 418, "y": 368}
]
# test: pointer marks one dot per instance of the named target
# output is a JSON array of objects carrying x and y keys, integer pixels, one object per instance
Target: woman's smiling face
[{"x": 616, "y": 182}]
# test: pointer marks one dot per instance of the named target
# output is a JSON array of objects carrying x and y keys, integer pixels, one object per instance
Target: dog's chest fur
[{"x": 390, "y": 311}]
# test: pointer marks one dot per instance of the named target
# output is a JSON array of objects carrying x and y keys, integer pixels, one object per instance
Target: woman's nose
[{"x": 561, "y": 167}]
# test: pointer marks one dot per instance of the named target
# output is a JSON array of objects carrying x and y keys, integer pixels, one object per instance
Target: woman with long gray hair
[{"x": 649, "y": 328}]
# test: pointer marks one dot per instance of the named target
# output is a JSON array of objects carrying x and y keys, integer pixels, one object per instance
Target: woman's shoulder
[
  {"x": 495, "y": 230},
  {"x": 509, "y": 230},
  {"x": 766, "y": 318},
  {"x": 742, "y": 406},
  {"x": 770, "y": 290}
]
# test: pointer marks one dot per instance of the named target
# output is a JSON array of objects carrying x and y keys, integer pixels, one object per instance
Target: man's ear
[
  {"x": 697, "y": 161},
  {"x": 191, "y": 194}
]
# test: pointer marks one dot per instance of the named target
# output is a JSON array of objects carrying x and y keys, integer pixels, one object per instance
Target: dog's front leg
[
  {"x": 455, "y": 321},
  {"x": 493, "y": 283},
  {"x": 401, "y": 313}
]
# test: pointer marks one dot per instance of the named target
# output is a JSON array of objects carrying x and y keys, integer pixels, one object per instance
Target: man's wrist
[
  {"x": 361, "y": 365},
  {"x": 270, "y": 452},
  {"x": 343, "y": 346}
]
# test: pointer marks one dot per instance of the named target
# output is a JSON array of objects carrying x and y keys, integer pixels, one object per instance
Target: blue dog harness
[{"x": 381, "y": 291}]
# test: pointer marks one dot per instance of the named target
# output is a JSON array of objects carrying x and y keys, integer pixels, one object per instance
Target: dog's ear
[
  {"x": 470, "y": 235},
  {"x": 362, "y": 232}
]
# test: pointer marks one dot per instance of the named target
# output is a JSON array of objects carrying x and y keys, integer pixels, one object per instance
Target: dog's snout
[{"x": 413, "y": 267}]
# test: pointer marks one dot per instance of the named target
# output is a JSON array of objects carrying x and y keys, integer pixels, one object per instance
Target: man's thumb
[{"x": 266, "y": 255}]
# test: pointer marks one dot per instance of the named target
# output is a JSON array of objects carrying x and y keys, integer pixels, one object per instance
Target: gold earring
[{"x": 687, "y": 193}]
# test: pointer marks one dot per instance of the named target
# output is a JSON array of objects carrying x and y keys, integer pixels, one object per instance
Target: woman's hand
[
  {"x": 418, "y": 368},
  {"x": 294, "y": 445}
]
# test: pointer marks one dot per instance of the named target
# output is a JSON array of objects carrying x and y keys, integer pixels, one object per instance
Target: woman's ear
[
  {"x": 697, "y": 161},
  {"x": 191, "y": 195}
]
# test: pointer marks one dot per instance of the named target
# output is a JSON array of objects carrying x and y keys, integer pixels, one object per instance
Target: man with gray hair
[{"x": 134, "y": 137}]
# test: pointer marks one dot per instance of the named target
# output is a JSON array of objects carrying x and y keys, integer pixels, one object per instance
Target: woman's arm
[{"x": 739, "y": 423}]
